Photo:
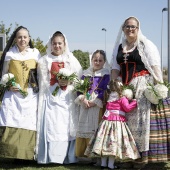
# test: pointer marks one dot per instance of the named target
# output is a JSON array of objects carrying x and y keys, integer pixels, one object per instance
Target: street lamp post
[
  {"x": 104, "y": 29},
  {"x": 168, "y": 41},
  {"x": 164, "y": 9}
]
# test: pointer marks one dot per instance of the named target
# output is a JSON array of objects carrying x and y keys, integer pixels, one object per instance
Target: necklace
[{"x": 125, "y": 57}]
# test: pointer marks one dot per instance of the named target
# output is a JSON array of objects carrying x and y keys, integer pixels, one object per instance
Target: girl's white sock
[
  {"x": 104, "y": 161},
  {"x": 111, "y": 162}
]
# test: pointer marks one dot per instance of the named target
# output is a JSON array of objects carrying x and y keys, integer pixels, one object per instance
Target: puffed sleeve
[{"x": 128, "y": 106}]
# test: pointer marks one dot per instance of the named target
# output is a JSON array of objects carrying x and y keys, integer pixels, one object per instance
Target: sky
[{"x": 82, "y": 21}]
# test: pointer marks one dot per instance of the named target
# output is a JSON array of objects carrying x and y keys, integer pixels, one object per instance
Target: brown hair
[
  {"x": 11, "y": 43},
  {"x": 101, "y": 52},
  {"x": 114, "y": 85},
  {"x": 57, "y": 34}
]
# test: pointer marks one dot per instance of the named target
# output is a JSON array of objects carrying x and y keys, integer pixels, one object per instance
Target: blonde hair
[{"x": 124, "y": 24}]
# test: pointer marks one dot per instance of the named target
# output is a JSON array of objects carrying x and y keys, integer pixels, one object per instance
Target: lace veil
[
  {"x": 147, "y": 50},
  {"x": 66, "y": 50}
]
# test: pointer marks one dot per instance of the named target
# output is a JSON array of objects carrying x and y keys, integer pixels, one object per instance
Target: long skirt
[
  {"x": 17, "y": 143},
  {"x": 113, "y": 138},
  {"x": 159, "y": 142},
  {"x": 82, "y": 142}
]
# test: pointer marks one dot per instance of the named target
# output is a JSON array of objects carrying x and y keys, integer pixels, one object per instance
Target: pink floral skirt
[{"x": 113, "y": 138}]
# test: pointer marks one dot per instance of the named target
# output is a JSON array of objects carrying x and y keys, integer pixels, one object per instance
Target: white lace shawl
[{"x": 147, "y": 50}]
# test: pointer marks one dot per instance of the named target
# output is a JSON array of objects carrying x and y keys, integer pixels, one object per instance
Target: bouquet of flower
[
  {"x": 83, "y": 86},
  {"x": 155, "y": 93},
  {"x": 127, "y": 91},
  {"x": 64, "y": 74},
  {"x": 6, "y": 82}
]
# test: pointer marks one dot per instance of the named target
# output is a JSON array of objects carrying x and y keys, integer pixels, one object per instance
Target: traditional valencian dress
[
  {"x": 149, "y": 124},
  {"x": 18, "y": 115},
  {"x": 113, "y": 137},
  {"x": 89, "y": 118},
  {"x": 58, "y": 118}
]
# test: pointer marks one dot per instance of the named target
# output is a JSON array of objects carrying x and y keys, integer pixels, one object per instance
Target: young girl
[
  {"x": 91, "y": 109},
  {"x": 113, "y": 140}
]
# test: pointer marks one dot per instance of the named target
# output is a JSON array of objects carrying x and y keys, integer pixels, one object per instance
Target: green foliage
[
  {"x": 82, "y": 86},
  {"x": 5, "y": 30},
  {"x": 83, "y": 58},
  {"x": 37, "y": 43}
]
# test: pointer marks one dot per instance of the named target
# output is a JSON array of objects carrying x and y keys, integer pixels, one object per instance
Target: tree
[
  {"x": 39, "y": 45},
  {"x": 83, "y": 58},
  {"x": 5, "y": 30}
]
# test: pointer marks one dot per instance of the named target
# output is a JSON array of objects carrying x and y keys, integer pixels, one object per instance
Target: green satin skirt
[{"x": 17, "y": 143}]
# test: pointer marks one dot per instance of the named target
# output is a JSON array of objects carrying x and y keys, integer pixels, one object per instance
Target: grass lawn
[{"x": 9, "y": 164}]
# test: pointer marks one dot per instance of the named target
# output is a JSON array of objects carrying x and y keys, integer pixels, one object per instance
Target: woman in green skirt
[{"x": 18, "y": 94}]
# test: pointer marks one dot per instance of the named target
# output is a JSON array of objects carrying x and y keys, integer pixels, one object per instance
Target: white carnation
[
  {"x": 162, "y": 91},
  {"x": 64, "y": 72},
  {"x": 81, "y": 82},
  {"x": 150, "y": 95},
  {"x": 6, "y": 78},
  {"x": 128, "y": 93}
]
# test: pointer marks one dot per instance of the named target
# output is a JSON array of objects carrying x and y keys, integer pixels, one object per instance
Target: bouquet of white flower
[
  {"x": 155, "y": 93},
  {"x": 6, "y": 82},
  {"x": 128, "y": 91},
  {"x": 64, "y": 74},
  {"x": 83, "y": 86}
]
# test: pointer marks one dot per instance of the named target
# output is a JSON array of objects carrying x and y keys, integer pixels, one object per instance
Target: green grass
[{"x": 9, "y": 164}]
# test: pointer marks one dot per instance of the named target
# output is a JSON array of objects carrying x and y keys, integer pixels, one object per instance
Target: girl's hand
[
  {"x": 63, "y": 82},
  {"x": 91, "y": 104},
  {"x": 86, "y": 103},
  {"x": 14, "y": 88}
]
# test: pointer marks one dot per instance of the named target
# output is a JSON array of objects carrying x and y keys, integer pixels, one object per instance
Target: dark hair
[
  {"x": 57, "y": 34},
  {"x": 115, "y": 86},
  {"x": 8, "y": 46},
  {"x": 101, "y": 52},
  {"x": 124, "y": 24}
]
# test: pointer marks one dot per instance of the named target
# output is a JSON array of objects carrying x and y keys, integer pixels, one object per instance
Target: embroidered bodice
[
  {"x": 130, "y": 63},
  {"x": 21, "y": 70}
]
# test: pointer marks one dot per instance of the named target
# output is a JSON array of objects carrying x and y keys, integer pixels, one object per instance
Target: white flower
[
  {"x": 128, "y": 93},
  {"x": 65, "y": 72},
  {"x": 6, "y": 78},
  {"x": 81, "y": 82},
  {"x": 150, "y": 95},
  {"x": 162, "y": 91}
]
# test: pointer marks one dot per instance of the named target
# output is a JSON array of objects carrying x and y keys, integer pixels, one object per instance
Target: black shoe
[{"x": 103, "y": 167}]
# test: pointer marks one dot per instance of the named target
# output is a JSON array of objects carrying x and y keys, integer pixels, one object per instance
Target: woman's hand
[
  {"x": 14, "y": 88},
  {"x": 63, "y": 82}
]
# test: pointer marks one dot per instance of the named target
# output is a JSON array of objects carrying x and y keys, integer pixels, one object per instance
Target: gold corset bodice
[{"x": 21, "y": 69}]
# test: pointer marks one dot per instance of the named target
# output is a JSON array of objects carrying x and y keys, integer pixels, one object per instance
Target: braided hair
[{"x": 8, "y": 46}]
